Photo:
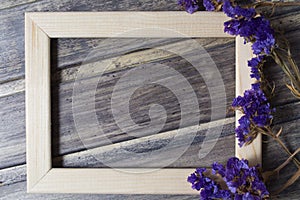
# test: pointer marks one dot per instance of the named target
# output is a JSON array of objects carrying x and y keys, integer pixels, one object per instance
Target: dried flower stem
[
  {"x": 270, "y": 133},
  {"x": 277, "y": 170},
  {"x": 282, "y": 54},
  {"x": 273, "y": 4},
  {"x": 288, "y": 65},
  {"x": 287, "y": 151},
  {"x": 289, "y": 182}
]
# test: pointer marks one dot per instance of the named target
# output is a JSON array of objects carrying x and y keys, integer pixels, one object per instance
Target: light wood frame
[{"x": 39, "y": 28}]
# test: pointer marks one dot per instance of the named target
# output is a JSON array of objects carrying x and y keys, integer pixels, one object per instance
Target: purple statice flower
[
  {"x": 237, "y": 11},
  {"x": 218, "y": 169},
  {"x": 189, "y": 5},
  {"x": 254, "y": 61},
  {"x": 232, "y": 27},
  {"x": 243, "y": 181},
  {"x": 239, "y": 181},
  {"x": 255, "y": 86},
  {"x": 228, "y": 9},
  {"x": 255, "y": 64},
  {"x": 248, "y": 13},
  {"x": 246, "y": 23},
  {"x": 255, "y": 29},
  {"x": 264, "y": 36},
  {"x": 257, "y": 111},
  {"x": 208, "y": 188},
  {"x": 208, "y": 4}
]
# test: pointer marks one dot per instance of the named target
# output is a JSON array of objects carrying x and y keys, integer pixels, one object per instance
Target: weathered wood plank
[
  {"x": 17, "y": 192},
  {"x": 68, "y": 54},
  {"x": 111, "y": 153},
  {"x": 142, "y": 98},
  {"x": 15, "y": 3},
  {"x": 69, "y": 141},
  {"x": 190, "y": 158},
  {"x": 12, "y": 29},
  {"x": 13, "y": 142},
  {"x": 12, "y": 130},
  {"x": 12, "y": 114},
  {"x": 15, "y": 104},
  {"x": 11, "y": 176},
  {"x": 12, "y": 87}
]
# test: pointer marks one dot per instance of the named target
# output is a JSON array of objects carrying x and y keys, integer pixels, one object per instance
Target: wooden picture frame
[{"x": 39, "y": 29}]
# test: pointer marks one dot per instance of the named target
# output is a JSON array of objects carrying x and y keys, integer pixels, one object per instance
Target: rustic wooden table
[{"x": 67, "y": 57}]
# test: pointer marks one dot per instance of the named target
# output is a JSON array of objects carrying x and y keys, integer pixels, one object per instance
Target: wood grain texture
[
  {"x": 71, "y": 52},
  {"x": 11, "y": 176},
  {"x": 103, "y": 181},
  {"x": 12, "y": 24},
  {"x": 131, "y": 24},
  {"x": 64, "y": 127},
  {"x": 38, "y": 106},
  {"x": 14, "y": 111},
  {"x": 40, "y": 176},
  {"x": 17, "y": 192},
  {"x": 11, "y": 4},
  {"x": 253, "y": 151}
]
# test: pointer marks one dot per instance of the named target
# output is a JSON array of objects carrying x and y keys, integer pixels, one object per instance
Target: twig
[
  {"x": 273, "y": 4},
  {"x": 289, "y": 182}
]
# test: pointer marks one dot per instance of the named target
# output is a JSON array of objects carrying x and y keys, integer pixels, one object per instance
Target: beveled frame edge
[
  {"x": 39, "y": 28},
  {"x": 38, "y": 106}
]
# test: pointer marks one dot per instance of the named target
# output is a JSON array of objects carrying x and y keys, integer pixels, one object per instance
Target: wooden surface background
[{"x": 67, "y": 56}]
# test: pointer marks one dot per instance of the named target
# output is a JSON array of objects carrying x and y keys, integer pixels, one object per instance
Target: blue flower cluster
[
  {"x": 189, "y": 5},
  {"x": 257, "y": 112},
  {"x": 242, "y": 182},
  {"x": 208, "y": 188},
  {"x": 255, "y": 29},
  {"x": 245, "y": 22},
  {"x": 254, "y": 64},
  {"x": 208, "y": 4}
]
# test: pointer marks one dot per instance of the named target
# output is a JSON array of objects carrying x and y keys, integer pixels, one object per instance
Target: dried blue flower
[
  {"x": 232, "y": 27},
  {"x": 189, "y": 5},
  {"x": 209, "y": 6},
  {"x": 239, "y": 181},
  {"x": 218, "y": 169},
  {"x": 246, "y": 23},
  {"x": 255, "y": 86},
  {"x": 228, "y": 9},
  {"x": 208, "y": 188},
  {"x": 254, "y": 62},
  {"x": 255, "y": 73},
  {"x": 256, "y": 29},
  {"x": 244, "y": 181},
  {"x": 257, "y": 112},
  {"x": 239, "y": 101},
  {"x": 244, "y": 12}
]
